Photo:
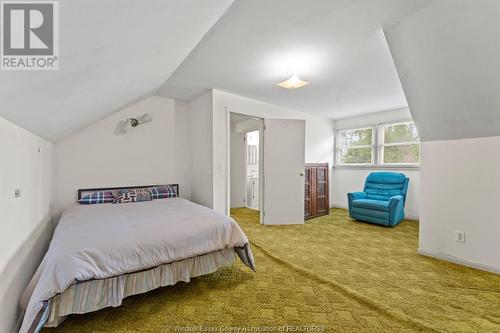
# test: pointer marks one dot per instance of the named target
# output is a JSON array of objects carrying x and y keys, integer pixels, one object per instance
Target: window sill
[{"x": 377, "y": 167}]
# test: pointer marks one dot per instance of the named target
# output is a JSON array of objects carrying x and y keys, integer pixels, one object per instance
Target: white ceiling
[
  {"x": 337, "y": 45},
  {"x": 112, "y": 53}
]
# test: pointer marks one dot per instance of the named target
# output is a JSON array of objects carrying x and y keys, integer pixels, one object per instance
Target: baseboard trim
[
  {"x": 458, "y": 261},
  {"x": 407, "y": 217}
]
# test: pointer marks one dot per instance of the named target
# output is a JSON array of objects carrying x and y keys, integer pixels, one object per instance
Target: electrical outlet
[
  {"x": 460, "y": 236},
  {"x": 17, "y": 193}
]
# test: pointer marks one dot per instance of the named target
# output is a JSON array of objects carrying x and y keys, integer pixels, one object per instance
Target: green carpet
[{"x": 337, "y": 274}]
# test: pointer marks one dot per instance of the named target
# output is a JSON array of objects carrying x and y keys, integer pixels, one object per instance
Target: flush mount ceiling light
[
  {"x": 293, "y": 82},
  {"x": 126, "y": 125}
]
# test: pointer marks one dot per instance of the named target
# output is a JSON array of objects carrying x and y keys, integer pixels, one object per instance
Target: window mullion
[{"x": 393, "y": 144}]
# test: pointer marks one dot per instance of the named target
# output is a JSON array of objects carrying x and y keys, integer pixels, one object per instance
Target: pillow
[
  {"x": 97, "y": 198},
  {"x": 163, "y": 191},
  {"x": 117, "y": 193},
  {"x": 134, "y": 195}
]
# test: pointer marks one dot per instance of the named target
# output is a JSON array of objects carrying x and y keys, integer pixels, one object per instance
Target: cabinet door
[
  {"x": 322, "y": 203},
  {"x": 307, "y": 193}
]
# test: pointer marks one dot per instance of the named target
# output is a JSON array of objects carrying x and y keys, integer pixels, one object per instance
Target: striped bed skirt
[{"x": 93, "y": 295}]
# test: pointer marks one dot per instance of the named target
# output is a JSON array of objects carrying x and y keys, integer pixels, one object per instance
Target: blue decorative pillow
[
  {"x": 100, "y": 197},
  {"x": 133, "y": 195},
  {"x": 163, "y": 191}
]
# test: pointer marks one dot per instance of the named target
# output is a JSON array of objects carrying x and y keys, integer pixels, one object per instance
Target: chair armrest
[
  {"x": 394, "y": 201},
  {"x": 396, "y": 209},
  {"x": 356, "y": 195},
  {"x": 353, "y": 196}
]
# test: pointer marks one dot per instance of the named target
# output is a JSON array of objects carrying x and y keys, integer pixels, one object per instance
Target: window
[
  {"x": 253, "y": 147},
  {"x": 356, "y": 146},
  {"x": 400, "y": 144},
  {"x": 385, "y": 145}
]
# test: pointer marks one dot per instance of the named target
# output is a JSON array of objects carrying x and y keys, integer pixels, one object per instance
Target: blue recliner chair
[{"x": 382, "y": 200}]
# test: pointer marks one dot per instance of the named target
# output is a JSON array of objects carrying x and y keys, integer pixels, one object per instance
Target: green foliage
[
  {"x": 353, "y": 139},
  {"x": 354, "y": 142},
  {"x": 401, "y": 133},
  {"x": 357, "y": 155},
  {"x": 407, "y": 154}
]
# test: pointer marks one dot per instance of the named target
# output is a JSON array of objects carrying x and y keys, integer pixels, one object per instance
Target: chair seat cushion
[{"x": 381, "y": 205}]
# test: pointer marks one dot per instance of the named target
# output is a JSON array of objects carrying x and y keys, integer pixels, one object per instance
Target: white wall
[
  {"x": 153, "y": 153},
  {"x": 200, "y": 125},
  {"x": 352, "y": 179},
  {"x": 460, "y": 191},
  {"x": 448, "y": 58},
  {"x": 26, "y": 163},
  {"x": 319, "y": 135},
  {"x": 374, "y": 118}
]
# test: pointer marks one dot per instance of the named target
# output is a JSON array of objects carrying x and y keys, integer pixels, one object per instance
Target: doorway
[
  {"x": 245, "y": 150},
  {"x": 252, "y": 165}
]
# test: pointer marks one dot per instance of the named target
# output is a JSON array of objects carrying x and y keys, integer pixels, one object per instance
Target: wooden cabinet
[{"x": 316, "y": 190}]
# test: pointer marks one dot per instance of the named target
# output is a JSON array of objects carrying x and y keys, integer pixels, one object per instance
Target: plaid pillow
[
  {"x": 97, "y": 198},
  {"x": 163, "y": 191},
  {"x": 135, "y": 195}
]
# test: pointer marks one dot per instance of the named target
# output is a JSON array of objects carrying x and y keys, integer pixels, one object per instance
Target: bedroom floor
[{"x": 331, "y": 272}]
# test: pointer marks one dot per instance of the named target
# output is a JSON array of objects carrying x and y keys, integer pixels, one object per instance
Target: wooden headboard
[{"x": 83, "y": 191}]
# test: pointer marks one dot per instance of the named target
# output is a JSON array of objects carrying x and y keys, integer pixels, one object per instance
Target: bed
[{"x": 102, "y": 253}]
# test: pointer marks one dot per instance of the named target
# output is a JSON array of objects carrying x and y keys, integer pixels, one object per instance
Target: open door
[{"x": 284, "y": 151}]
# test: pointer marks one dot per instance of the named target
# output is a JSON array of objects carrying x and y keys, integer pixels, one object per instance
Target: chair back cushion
[{"x": 384, "y": 185}]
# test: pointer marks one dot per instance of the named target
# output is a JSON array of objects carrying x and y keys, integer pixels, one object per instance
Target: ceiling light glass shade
[{"x": 293, "y": 82}]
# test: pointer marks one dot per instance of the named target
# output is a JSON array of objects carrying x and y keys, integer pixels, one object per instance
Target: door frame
[{"x": 261, "y": 162}]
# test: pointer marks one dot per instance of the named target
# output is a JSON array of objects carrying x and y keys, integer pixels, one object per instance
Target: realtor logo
[{"x": 30, "y": 36}]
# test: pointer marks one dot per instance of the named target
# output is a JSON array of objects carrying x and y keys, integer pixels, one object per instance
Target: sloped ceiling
[
  {"x": 112, "y": 53},
  {"x": 337, "y": 45},
  {"x": 448, "y": 57}
]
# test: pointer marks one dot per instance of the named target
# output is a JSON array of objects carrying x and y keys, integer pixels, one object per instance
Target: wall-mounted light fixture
[{"x": 126, "y": 125}]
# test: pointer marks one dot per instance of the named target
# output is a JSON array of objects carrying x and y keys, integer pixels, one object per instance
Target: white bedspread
[{"x": 102, "y": 241}]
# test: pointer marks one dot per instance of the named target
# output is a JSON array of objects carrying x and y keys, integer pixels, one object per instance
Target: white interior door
[
  {"x": 238, "y": 170},
  {"x": 284, "y": 151}
]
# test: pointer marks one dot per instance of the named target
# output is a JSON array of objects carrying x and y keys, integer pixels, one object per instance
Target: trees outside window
[
  {"x": 356, "y": 146},
  {"x": 400, "y": 144},
  {"x": 388, "y": 144}
]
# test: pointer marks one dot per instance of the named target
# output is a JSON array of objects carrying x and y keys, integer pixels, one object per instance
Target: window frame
[
  {"x": 381, "y": 146},
  {"x": 377, "y": 146},
  {"x": 372, "y": 146}
]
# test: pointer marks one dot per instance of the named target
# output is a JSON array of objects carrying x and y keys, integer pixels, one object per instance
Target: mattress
[{"x": 116, "y": 243}]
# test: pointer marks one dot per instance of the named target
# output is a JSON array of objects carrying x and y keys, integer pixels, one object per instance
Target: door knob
[{"x": 301, "y": 173}]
